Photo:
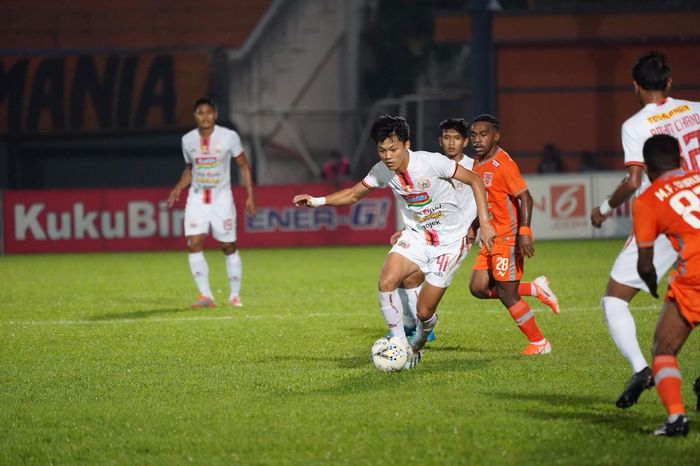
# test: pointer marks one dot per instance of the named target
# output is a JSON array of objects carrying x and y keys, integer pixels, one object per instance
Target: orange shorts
[
  {"x": 688, "y": 300},
  {"x": 503, "y": 263}
]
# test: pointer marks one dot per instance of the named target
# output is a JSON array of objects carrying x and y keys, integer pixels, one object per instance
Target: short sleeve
[
  {"x": 644, "y": 223},
  {"x": 378, "y": 177},
  {"x": 512, "y": 178},
  {"x": 444, "y": 167},
  {"x": 632, "y": 145},
  {"x": 185, "y": 154},
  {"x": 236, "y": 145}
]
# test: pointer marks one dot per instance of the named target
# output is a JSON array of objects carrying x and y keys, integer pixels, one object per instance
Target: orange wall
[{"x": 123, "y": 24}]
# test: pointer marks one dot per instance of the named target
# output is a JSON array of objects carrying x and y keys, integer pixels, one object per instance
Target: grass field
[{"x": 101, "y": 362}]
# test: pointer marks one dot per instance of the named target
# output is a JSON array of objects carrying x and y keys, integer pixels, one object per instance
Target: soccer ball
[{"x": 389, "y": 354}]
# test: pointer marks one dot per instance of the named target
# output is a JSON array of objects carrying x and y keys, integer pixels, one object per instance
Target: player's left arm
[
  {"x": 645, "y": 233},
  {"x": 646, "y": 269},
  {"x": 525, "y": 242},
  {"x": 476, "y": 183},
  {"x": 244, "y": 170}
]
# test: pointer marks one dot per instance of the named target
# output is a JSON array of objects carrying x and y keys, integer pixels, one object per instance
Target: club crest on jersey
[
  {"x": 423, "y": 183},
  {"x": 417, "y": 199},
  {"x": 488, "y": 178},
  {"x": 205, "y": 162},
  {"x": 495, "y": 163}
]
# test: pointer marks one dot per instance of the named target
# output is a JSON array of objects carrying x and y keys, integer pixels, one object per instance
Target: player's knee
[
  {"x": 194, "y": 245},
  {"x": 228, "y": 248},
  {"x": 478, "y": 291},
  {"x": 388, "y": 284}
]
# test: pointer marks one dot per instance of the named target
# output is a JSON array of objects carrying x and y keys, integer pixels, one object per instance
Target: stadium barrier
[
  {"x": 88, "y": 220},
  {"x": 138, "y": 219}
]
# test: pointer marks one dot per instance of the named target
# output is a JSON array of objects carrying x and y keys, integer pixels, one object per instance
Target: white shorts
[
  {"x": 438, "y": 263},
  {"x": 624, "y": 270},
  {"x": 219, "y": 213}
]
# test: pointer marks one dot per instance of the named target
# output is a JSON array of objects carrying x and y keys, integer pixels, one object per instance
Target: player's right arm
[
  {"x": 343, "y": 197},
  {"x": 185, "y": 180},
  {"x": 629, "y": 184}
]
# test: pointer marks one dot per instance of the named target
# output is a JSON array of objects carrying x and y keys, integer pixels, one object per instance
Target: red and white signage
[{"x": 139, "y": 219}]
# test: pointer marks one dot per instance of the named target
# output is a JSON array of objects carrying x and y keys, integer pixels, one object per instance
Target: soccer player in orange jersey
[
  {"x": 497, "y": 273},
  {"x": 670, "y": 206}
]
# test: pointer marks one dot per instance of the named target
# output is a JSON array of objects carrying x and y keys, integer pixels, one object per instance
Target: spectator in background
[
  {"x": 589, "y": 163},
  {"x": 551, "y": 160},
  {"x": 337, "y": 168}
]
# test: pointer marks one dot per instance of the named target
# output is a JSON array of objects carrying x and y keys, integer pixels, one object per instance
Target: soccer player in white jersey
[
  {"x": 208, "y": 151},
  {"x": 453, "y": 140},
  {"x": 434, "y": 240},
  {"x": 660, "y": 114}
]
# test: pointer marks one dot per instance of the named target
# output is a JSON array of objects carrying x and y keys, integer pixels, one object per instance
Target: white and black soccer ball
[{"x": 389, "y": 354}]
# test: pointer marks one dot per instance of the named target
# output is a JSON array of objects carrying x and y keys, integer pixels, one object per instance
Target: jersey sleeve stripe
[
  {"x": 645, "y": 244},
  {"x": 366, "y": 185},
  {"x": 639, "y": 164}
]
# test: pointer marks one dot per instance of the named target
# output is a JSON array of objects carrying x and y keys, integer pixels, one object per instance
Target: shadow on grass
[
  {"x": 140, "y": 314},
  {"x": 586, "y": 408}
]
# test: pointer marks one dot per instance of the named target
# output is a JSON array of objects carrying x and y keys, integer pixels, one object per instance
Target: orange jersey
[
  {"x": 671, "y": 206},
  {"x": 503, "y": 183}
]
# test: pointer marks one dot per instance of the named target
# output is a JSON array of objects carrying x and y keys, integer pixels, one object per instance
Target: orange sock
[
  {"x": 667, "y": 376},
  {"x": 526, "y": 289},
  {"x": 525, "y": 319}
]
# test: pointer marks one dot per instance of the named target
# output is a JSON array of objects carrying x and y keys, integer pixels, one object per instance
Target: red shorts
[
  {"x": 503, "y": 262},
  {"x": 688, "y": 300}
]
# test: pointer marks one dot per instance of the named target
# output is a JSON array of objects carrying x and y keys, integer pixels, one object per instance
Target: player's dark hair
[
  {"x": 488, "y": 119},
  {"x": 651, "y": 72},
  {"x": 388, "y": 126},
  {"x": 662, "y": 153},
  {"x": 457, "y": 124},
  {"x": 204, "y": 101}
]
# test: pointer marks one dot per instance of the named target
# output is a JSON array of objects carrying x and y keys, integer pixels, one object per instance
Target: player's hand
[
  {"x": 395, "y": 237},
  {"x": 597, "y": 218},
  {"x": 486, "y": 235},
  {"x": 173, "y": 197},
  {"x": 526, "y": 246},
  {"x": 250, "y": 207},
  {"x": 302, "y": 200}
]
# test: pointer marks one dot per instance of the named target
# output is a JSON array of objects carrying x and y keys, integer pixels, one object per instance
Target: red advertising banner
[{"x": 138, "y": 219}]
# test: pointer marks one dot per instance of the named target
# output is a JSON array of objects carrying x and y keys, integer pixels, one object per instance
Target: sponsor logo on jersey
[
  {"x": 488, "y": 178},
  {"x": 430, "y": 216},
  {"x": 417, "y": 199},
  {"x": 668, "y": 115},
  {"x": 205, "y": 162}
]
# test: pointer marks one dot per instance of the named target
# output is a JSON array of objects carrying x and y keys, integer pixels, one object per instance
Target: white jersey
[
  {"x": 465, "y": 195},
  {"x": 211, "y": 158},
  {"x": 677, "y": 118},
  {"x": 430, "y": 206}
]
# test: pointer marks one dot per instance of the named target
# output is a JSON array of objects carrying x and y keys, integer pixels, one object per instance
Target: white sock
[
  {"x": 393, "y": 316},
  {"x": 623, "y": 331},
  {"x": 409, "y": 300},
  {"x": 200, "y": 273},
  {"x": 422, "y": 331},
  {"x": 234, "y": 270}
]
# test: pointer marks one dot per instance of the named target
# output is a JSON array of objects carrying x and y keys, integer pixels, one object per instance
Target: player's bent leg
[
  {"x": 671, "y": 332},
  {"x": 480, "y": 284},
  {"x": 408, "y": 292},
  {"x": 524, "y": 318},
  {"x": 396, "y": 268},
  {"x": 623, "y": 331},
  {"x": 428, "y": 300}
]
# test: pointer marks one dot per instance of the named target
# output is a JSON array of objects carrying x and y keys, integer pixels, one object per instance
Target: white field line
[{"x": 250, "y": 316}]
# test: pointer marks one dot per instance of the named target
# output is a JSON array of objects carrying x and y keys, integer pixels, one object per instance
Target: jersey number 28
[{"x": 686, "y": 203}]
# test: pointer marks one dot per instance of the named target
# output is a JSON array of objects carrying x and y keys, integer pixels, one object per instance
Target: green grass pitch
[{"x": 102, "y": 362}]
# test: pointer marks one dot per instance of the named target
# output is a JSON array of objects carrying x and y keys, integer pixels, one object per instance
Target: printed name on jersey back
[
  {"x": 677, "y": 126},
  {"x": 671, "y": 188}
]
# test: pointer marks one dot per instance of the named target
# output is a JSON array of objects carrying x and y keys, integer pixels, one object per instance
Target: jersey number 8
[{"x": 686, "y": 203}]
